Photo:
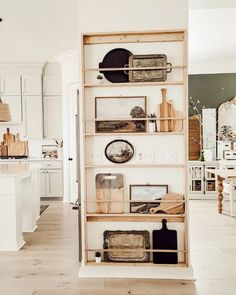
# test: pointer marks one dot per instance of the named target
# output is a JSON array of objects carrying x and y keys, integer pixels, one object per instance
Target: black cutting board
[
  {"x": 165, "y": 239},
  {"x": 116, "y": 58}
]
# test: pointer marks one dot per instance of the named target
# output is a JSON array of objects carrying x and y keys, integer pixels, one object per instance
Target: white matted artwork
[
  {"x": 226, "y": 120},
  {"x": 209, "y": 130},
  {"x": 146, "y": 193},
  {"x": 49, "y": 151}
]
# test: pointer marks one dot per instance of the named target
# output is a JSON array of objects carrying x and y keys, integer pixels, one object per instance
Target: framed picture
[
  {"x": 120, "y": 114},
  {"x": 148, "y": 193},
  {"x": 119, "y": 151},
  {"x": 49, "y": 151}
]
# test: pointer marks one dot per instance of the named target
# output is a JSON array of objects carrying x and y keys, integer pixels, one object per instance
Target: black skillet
[{"x": 116, "y": 58}]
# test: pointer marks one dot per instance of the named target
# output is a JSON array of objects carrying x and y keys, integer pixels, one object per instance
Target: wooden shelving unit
[{"x": 98, "y": 44}]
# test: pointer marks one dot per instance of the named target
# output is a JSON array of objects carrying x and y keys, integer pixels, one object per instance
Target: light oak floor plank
[{"x": 48, "y": 263}]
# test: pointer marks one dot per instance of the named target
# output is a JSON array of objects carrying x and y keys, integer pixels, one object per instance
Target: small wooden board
[
  {"x": 109, "y": 187},
  {"x": 8, "y": 137}
]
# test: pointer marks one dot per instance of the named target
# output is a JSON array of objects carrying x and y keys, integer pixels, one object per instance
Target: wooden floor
[{"x": 47, "y": 265}]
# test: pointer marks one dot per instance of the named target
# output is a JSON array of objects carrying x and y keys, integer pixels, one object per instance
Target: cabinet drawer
[{"x": 51, "y": 165}]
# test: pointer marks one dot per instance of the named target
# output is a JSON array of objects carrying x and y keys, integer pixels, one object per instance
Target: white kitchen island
[{"x": 19, "y": 203}]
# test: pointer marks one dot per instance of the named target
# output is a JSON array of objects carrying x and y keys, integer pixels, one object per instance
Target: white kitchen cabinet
[
  {"x": 10, "y": 84},
  {"x": 15, "y": 107},
  {"x": 52, "y": 112},
  {"x": 202, "y": 184},
  {"x": 31, "y": 85},
  {"x": 52, "y": 85},
  {"x": 51, "y": 183},
  {"x": 32, "y": 114}
]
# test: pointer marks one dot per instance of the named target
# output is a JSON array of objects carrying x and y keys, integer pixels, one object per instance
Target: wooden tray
[
  {"x": 126, "y": 240},
  {"x": 150, "y": 60}
]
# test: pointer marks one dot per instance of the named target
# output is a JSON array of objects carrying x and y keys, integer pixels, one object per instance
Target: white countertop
[
  {"x": 15, "y": 169},
  {"x": 30, "y": 159}
]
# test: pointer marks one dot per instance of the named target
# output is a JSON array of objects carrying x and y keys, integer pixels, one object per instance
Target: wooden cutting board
[
  {"x": 18, "y": 148},
  {"x": 170, "y": 207},
  {"x": 165, "y": 239},
  {"x": 8, "y": 137},
  {"x": 109, "y": 187},
  {"x": 166, "y": 110}
]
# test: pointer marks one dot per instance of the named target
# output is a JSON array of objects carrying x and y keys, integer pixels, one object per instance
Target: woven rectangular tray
[{"x": 150, "y": 60}]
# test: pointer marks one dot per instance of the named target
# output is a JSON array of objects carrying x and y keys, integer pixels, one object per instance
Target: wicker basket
[{"x": 5, "y": 114}]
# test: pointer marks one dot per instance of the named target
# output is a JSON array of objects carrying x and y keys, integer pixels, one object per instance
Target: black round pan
[{"x": 116, "y": 58}]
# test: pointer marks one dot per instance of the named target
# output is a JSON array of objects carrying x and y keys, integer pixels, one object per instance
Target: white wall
[
  {"x": 212, "y": 44},
  {"x": 37, "y": 30}
]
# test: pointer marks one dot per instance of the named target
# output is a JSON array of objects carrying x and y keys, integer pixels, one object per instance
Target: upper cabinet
[
  {"x": 52, "y": 85},
  {"x": 52, "y": 106},
  {"x": 10, "y": 84},
  {"x": 31, "y": 84},
  {"x": 32, "y": 114}
]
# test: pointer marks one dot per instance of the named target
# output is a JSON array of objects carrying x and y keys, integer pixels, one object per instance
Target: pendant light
[{"x": 5, "y": 114}]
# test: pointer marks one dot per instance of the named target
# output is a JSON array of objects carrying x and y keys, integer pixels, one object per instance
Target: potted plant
[
  {"x": 138, "y": 112},
  {"x": 98, "y": 257},
  {"x": 152, "y": 127}
]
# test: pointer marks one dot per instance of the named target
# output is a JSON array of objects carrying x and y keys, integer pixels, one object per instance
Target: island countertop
[{"x": 16, "y": 169}]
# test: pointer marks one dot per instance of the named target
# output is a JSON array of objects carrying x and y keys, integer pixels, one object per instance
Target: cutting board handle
[
  {"x": 164, "y": 224},
  {"x": 164, "y": 94}
]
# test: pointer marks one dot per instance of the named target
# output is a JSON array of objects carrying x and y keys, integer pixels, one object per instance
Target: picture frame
[
  {"x": 119, "y": 114},
  {"x": 149, "y": 192},
  {"x": 119, "y": 151},
  {"x": 49, "y": 151}
]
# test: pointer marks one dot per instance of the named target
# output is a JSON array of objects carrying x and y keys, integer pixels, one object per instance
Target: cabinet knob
[{"x": 70, "y": 159}]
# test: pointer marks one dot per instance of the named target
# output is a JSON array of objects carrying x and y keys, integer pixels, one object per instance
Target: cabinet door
[
  {"x": 52, "y": 85},
  {"x": 10, "y": 84},
  {"x": 210, "y": 179},
  {"x": 196, "y": 179},
  {"x": 54, "y": 187},
  {"x": 52, "y": 117},
  {"x": 42, "y": 184},
  {"x": 31, "y": 85},
  {"x": 15, "y": 107},
  {"x": 32, "y": 114}
]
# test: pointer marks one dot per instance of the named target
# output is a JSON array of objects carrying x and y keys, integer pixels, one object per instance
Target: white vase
[
  {"x": 98, "y": 259},
  {"x": 152, "y": 127},
  {"x": 60, "y": 153}
]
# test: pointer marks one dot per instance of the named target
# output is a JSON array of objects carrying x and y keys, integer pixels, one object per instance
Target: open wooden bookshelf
[{"x": 175, "y": 174}]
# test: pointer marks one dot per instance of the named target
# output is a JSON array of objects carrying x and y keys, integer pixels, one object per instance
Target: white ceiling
[
  {"x": 36, "y": 30},
  {"x": 211, "y": 4}
]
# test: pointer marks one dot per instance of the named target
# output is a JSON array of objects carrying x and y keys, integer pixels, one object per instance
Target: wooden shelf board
[
  {"x": 134, "y": 217},
  {"x": 133, "y": 69},
  {"x": 132, "y": 84},
  {"x": 133, "y": 37},
  {"x": 143, "y": 165},
  {"x": 131, "y": 201},
  {"x": 138, "y": 119},
  {"x": 134, "y": 134},
  {"x": 150, "y": 250},
  {"x": 93, "y": 263}
]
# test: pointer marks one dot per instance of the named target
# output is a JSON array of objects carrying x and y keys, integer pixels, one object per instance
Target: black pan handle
[
  {"x": 125, "y": 71},
  {"x": 169, "y": 70}
]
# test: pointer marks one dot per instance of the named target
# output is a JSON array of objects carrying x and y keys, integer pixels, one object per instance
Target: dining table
[{"x": 222, "y": 174}]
